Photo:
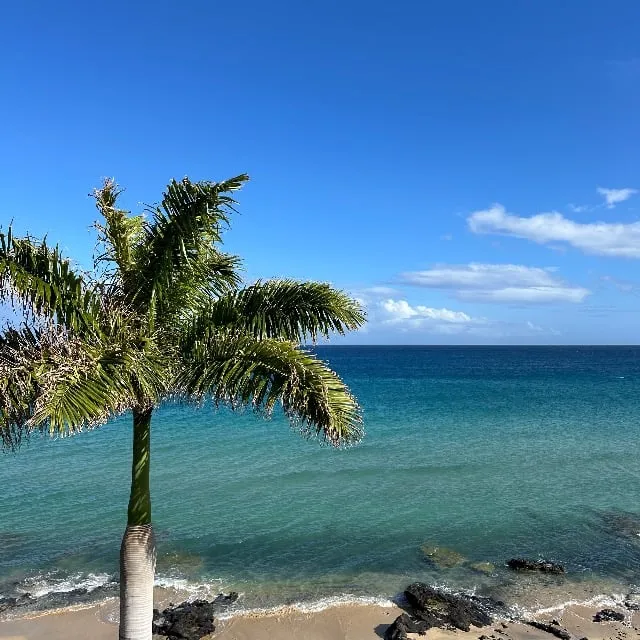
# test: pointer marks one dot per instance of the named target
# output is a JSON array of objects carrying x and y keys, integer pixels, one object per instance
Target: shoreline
[{"x": 345, "y": 621}]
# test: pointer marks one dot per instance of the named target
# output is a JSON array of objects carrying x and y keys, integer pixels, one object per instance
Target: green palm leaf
[
  {"x": 186, "y": 227},
  {"x": 39, "y": 280},
  {"x": 241, "y": 370},
  {"x": 283, "y": 309}
]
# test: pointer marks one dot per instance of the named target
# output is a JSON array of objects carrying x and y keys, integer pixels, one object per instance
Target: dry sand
[{"x": 345, "y": 622}]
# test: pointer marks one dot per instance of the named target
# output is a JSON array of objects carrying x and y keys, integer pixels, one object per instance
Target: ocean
[{"x": 481, "y": 453}]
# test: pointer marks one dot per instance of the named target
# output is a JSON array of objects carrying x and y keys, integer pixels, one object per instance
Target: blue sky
[{"x": 467, "y": 169}]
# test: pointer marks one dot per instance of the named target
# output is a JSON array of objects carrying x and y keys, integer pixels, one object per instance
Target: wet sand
[{"x": 345, "y": 622}]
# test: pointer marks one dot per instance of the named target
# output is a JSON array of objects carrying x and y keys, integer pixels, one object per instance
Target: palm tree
[{"x": 162, "y": 317}]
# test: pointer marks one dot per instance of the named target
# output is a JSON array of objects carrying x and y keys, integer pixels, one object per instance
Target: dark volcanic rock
[
  {"x": 190, "y": 620},
  {"x": 521, "y": 564},
  {"x": 222, "y": 602},
  {"x": 428, "y": 607},
  {"x": 558, "y": 632},
  {"x": 440, "y": 609},
  {"x": 187, "y": 621},
  {"x": 608, "y": 615},
  {"x": 632, "y": 601},
  {"x": 402, "y": 626},
  {"x": 6, "y": 604}
]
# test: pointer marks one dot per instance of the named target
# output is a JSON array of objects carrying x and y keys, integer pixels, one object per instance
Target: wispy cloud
[
  {"x": 625, "y": 286},
  {"x": 600, "y": 238},
  {"x": 381, "y": 290},
  {"x": 401, "y": 314},
  {"x": 497, "y": 283},
  {"x": 612, "y": 197}
]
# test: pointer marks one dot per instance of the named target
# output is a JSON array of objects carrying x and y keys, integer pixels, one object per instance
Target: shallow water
[{"x": 491, "y": 452}]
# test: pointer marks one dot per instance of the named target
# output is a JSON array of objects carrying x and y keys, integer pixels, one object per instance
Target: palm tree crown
[{"x": 163, "y": 316}]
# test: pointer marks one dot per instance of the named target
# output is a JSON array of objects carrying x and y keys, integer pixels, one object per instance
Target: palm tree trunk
[{"x": 138, "y": 550}]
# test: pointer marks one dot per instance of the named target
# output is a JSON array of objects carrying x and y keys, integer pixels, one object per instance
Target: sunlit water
[{"x": 491, "y": 452}]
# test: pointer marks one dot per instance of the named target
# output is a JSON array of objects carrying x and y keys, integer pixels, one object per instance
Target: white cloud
[
  {"x": 400, "y": 310},
  {"x": 498, "y": 283},
  {"x": 612, "y": 197},
  {"x": 600, "y": 238},
  {"x": 406, "y": 317},
  {"x": 380, "y": 290}
]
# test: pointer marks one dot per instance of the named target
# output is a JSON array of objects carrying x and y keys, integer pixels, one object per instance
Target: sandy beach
[{"x": 345, "y": 622}]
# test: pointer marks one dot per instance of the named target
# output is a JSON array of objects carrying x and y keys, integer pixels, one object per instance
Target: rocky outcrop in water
[
  {"x": 632, "y": 601},
  {"x": 22, "y": 601},
  {"x": 429, "y": 607},
  {"x": 26, "y": 602},
  {"x": 190, "y": 620},
  {"x": 608, "y": 615},
  {"x": 522, "y": 564},
  {"x": 483, "y": 567},
  {"x": 442, "y": 557}
]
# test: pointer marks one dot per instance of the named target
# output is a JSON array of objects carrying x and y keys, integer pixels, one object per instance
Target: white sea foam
[
  {"x": 44, "y": 584},
  {"x": 602, "y": 600},
  {"x": 193, "y": 589},
  {"x": 314, "y": 606}
]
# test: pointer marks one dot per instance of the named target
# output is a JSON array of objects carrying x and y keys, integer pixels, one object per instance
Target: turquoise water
[{"x": 491, "y": 452}]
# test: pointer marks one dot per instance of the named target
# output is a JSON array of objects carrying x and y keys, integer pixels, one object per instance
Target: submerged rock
[
  {"x": 608, "y": 615},
  {"x": 442, "y": 557},
  {"x": 623, "y": 524},
  {"x": 522, "y": 564},
  {"x": 190, "y": 620},
  {"x": 483, "y": 567}
]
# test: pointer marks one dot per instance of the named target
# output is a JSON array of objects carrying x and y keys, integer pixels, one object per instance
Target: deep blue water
[{"x": 491, "y": 452}]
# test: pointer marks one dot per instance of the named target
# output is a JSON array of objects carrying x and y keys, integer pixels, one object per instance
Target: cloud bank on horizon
[{"x": 406, "y": 301}]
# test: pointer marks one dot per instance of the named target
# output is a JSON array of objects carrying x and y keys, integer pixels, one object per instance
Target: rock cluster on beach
[
  {"x": 552, "y": 627},
  {"x": 429, "y": 607},
  {"x": 608, "y": 615},
  {"x": 190, "y": 620}
]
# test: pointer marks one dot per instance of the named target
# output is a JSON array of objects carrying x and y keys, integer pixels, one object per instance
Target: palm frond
[
  {"x": 187, "y": 224},
  {"x": 122, "y": 233},
  {"x": 38, "y": 279},
  {"x": 211, "y": 275},
  {"x": 241, "y": 370},
  {"x": 19, "y": 350},
  {"x": 51, "y": 379},
  {"x": 283, "y": 309}
]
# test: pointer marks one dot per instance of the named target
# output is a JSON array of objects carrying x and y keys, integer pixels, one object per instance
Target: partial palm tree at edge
[{"x": 164, "y": 316}]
